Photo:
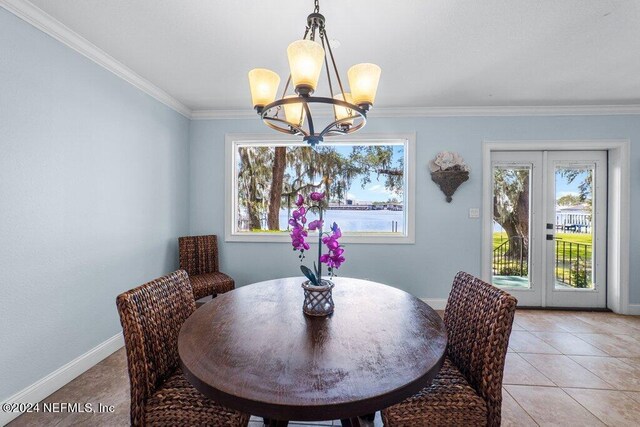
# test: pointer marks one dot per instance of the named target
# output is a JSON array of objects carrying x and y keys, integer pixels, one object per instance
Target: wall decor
[{"x": 449, "y": 171}]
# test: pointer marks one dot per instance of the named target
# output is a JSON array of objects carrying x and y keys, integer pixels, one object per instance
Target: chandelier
[{"x": 292, "y": 113}]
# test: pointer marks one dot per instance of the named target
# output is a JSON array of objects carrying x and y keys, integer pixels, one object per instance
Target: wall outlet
[{"x": 474, "y": 213}]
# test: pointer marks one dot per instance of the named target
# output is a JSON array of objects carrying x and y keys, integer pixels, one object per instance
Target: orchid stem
[{"x": 320, "y": 249}]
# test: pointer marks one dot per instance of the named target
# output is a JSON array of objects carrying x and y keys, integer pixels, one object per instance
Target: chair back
[
  {"x": 198, "y": 254},
  {"x": 478, "y": 318},
  {"x": 151, "y": 316}
]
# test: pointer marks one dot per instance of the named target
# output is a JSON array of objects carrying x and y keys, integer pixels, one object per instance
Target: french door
[{"x": 549, "y": 227}]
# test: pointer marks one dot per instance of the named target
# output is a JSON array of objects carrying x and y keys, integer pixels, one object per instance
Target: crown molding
[
  {"x": 35, "y": 16},
  {"x": 223, "y": 114},
  {"x": 503, "y": 111},
  {"x": 509, "y": 110},
  {"x": 54, "y": 28}
]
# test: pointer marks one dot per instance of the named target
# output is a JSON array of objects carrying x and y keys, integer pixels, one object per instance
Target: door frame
[{"x": 618, "y": 217}]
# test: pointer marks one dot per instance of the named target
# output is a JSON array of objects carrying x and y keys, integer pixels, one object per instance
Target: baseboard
[
  {"x": 436, "y": 303},
  {"x": 634, "y": 309},
  {"x": 62, "y": 376},
  {"x": 441, "y": 303}
]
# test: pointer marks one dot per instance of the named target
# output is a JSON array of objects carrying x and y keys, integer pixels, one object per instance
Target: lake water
[{"x": 358, "y": 221}]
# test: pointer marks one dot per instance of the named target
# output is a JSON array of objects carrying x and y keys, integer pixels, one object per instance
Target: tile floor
[
  {"x": 572, "y": 368},
  {"x": 563, "y": 368}
]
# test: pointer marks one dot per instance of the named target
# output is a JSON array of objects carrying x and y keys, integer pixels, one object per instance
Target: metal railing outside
[
  {"x": 505, "y": 263},
  {"x": 573, "y": 263}
]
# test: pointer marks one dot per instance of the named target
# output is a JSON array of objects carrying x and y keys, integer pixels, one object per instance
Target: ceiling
[{"x": 433, "y": 53}]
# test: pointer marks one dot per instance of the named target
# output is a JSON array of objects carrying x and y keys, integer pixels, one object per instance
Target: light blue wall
[
  {"x": 446, "y": 239},
  {"x": 93, "y": 193},
  {"x": 97, "y": 180}
]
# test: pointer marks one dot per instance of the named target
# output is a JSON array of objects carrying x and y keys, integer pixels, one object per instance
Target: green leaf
[{"x": 307, "y": 272}]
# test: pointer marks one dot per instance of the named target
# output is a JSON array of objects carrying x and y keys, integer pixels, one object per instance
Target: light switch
[{"x": 474, "y": 213}]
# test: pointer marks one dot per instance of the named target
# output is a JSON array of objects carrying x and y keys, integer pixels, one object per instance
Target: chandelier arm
[
  {"x": 309, "y": 118},
  {"x": 286, "y": 86},
  {"x": 358, "y": 127},
  {"x": 339, "y": 131},
  {"x": 315, "y": 99},
  {"x": 301, "y": 118},
  {"x": 289, "y": 129},
  {"x": 335, "y": 67},
  {"x": 313, "y": 29},
  {"x": 326, "y": 64},
  {"x": 340, "y": 103},
  {"x": 333, "y": 127},
  {"x": 306, "y": 32}
]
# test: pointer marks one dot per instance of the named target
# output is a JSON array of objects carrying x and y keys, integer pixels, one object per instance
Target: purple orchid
[
  {"x": 334, "y": 257},
  {"x": 299, "y": 213},
  {"x": 336, "y": 231},
  {"x": 316, "y": 197},
  {"x": 316, "y": 224},
  {"x": 298, "y": 233}
]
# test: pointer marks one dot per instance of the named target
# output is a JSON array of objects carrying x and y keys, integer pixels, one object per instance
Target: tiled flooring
[
  {"x": 563, "y": 368},
  {"x": 572, "y": 368}
]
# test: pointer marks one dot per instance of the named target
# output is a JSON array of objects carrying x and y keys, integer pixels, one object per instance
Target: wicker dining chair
[
  {"x": 199, "y": 257},
  {"x": 468, "y": 389},
  {"x": 151, "y": 316}
]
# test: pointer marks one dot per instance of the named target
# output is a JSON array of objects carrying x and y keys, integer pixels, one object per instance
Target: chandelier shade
[
  {"x": 314, "y": 117},
  {"x": 294, "y": 113},
  {"x": 305, "y": 61},
  {"x": 363, "y": 81},
  {"x": 343, "y": 112},
  {"x": 264, "y": 86}
]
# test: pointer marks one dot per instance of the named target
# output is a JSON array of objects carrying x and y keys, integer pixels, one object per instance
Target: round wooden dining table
[{"x": 254, "y": 350}]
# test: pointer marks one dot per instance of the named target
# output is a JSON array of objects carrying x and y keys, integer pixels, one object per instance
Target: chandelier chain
[{"x": 316, "y": 8}]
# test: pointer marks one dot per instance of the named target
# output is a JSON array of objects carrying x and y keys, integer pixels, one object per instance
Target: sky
[{"x": 563, "y": 187}]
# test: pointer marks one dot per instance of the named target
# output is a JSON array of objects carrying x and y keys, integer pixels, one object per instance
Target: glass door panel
[
  {"x": 574, "y": 227},
  {"x": 511, "y": 230},
  {"x": 515, "y": 248},
  {"x": 576, "y": 245}
]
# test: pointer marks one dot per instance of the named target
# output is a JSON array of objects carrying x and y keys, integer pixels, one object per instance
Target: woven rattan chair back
[
  {"x": 151, "y": 317},
  {"x": 199, "y": 254},
  {"x": 478, "y": 318}
]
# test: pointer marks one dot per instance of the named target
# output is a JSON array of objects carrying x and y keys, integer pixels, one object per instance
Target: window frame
[{"x": 233, "y": 140}]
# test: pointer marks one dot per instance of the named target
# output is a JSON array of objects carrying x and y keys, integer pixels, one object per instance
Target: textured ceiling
[{"x": 434, "y": 53}]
